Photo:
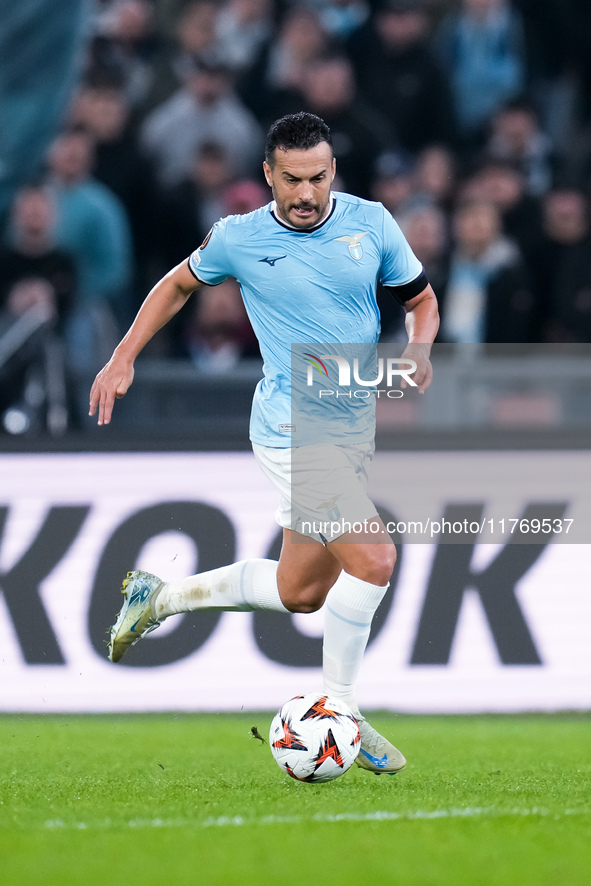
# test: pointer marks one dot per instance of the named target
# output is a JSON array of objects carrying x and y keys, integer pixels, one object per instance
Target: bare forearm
[
  {"x": 422, "y": 319},
  {"x": 422, "y": 323}
]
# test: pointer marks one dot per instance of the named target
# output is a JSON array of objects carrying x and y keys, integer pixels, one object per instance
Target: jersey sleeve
[
  {"x": 399, "y": 263},
  {"x": 209, "y": 263}
]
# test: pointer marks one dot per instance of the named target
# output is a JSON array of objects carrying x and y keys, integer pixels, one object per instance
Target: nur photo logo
[{"x": 389, "y": 371}]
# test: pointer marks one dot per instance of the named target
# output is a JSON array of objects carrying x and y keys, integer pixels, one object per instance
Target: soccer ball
[{"x": 314, "y": 738}]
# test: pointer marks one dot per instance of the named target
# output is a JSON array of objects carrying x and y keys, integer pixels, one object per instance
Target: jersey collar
[{"x": 333, "y": 203}]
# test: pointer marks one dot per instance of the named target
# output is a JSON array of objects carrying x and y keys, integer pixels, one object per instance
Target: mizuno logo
[
  {"x": 377, "y": 761},
  {"x": 271, "y": 261}
]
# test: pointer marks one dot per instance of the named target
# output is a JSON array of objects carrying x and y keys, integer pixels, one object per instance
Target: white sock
[
  {"x": 239, "y": 587},
  {"x": 349, "y": 610}
]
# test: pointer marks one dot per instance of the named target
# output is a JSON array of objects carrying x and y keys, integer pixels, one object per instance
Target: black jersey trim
[
  {"x": 199, "y": 280},
  {"x": 406, "y": 291},
  {"x": 307, "y": 230}
]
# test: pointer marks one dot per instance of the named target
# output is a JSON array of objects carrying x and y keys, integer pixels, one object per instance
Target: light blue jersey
[{"x": 311, "y": 287}]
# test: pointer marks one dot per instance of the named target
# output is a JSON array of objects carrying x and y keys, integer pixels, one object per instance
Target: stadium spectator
[
  {"x": 579, "y": 54},
  {"x": 400, "y": 76},
  {"x": 243, "y": 27},
  {"x": 516, "y": 137},
  {"x": 504, "y": 185},
  {"x": 426, "y": 229},
  {"x": 434, "y": 179},
  {"x": 102, "y": 109},
  {"x": 482, "y": 48},
  {"x": 127, "y": 44},
  {"x": 488, "y": 297},
  {"x": 359, "y": 132},
  {"x": 218, "y": 334},
  {"x": 92, "y": 226},
  {"x": 38, "y": 280},
  {"x": 31, "y": 251},
  {"x": 194, "y": 37},
  {"x": 245, "y": 196},
  {"x": 206, "y": 109},
  {"x": 210, "y": 193},
  {"x": 561, "y": 266},
  {"x": 554, "y": 35},
  {"x": 392, "y": 182},
  {"x": 191, "y": 207},
  {"x": 282, "y": 62},
  {"x": 341, "y": 18}
]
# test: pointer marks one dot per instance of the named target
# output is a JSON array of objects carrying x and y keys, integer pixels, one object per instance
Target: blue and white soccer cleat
[
  {"x": 138, "y": 614},
  {"x": 376, "y": 754}
]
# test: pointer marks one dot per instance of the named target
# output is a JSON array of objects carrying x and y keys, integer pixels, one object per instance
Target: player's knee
[
  {"x": 376, "y": 564},
  {"x": 306, "y": 599}
]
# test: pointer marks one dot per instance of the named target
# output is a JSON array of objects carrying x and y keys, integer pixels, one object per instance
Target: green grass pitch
[{"x": 195, "y": 799}]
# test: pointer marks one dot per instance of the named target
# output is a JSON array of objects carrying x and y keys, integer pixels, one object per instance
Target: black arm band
[{"x": 407, "y": 291}]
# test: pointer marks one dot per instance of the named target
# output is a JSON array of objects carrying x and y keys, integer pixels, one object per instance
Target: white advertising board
[{"x": 479, "y": 621}]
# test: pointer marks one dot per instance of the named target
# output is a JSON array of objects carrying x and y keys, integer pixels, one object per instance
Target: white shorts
[{"x": 322, "y": 488}]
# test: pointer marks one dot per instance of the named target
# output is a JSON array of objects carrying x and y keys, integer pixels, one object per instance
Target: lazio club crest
[{"x": 354, "y": 243}]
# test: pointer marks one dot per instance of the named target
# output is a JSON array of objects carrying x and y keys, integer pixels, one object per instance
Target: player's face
[{"x": 301, "y": 182}]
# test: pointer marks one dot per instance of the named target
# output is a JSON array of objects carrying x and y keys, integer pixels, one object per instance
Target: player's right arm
[{"x": 163, "y": 302}]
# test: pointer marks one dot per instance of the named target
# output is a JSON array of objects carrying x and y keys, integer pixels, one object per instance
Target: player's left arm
[{"x": 422, "y": 323}]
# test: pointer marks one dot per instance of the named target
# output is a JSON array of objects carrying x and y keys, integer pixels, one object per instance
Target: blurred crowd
[{"x": 469, "y": 119}]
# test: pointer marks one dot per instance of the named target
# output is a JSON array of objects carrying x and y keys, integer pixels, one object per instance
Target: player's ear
[
  {"x": 334, "y": 168},
  {"x": 268, "y": 173}
]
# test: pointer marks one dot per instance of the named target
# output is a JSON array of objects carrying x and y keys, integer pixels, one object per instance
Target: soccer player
[{"x": 308, "y": 265}]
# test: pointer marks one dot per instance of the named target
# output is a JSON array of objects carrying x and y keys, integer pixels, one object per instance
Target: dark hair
[
  {"x": 298, "y": 132},
  {"x": 101, "y": 78},
  {"x": 521, "y": 103}
]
